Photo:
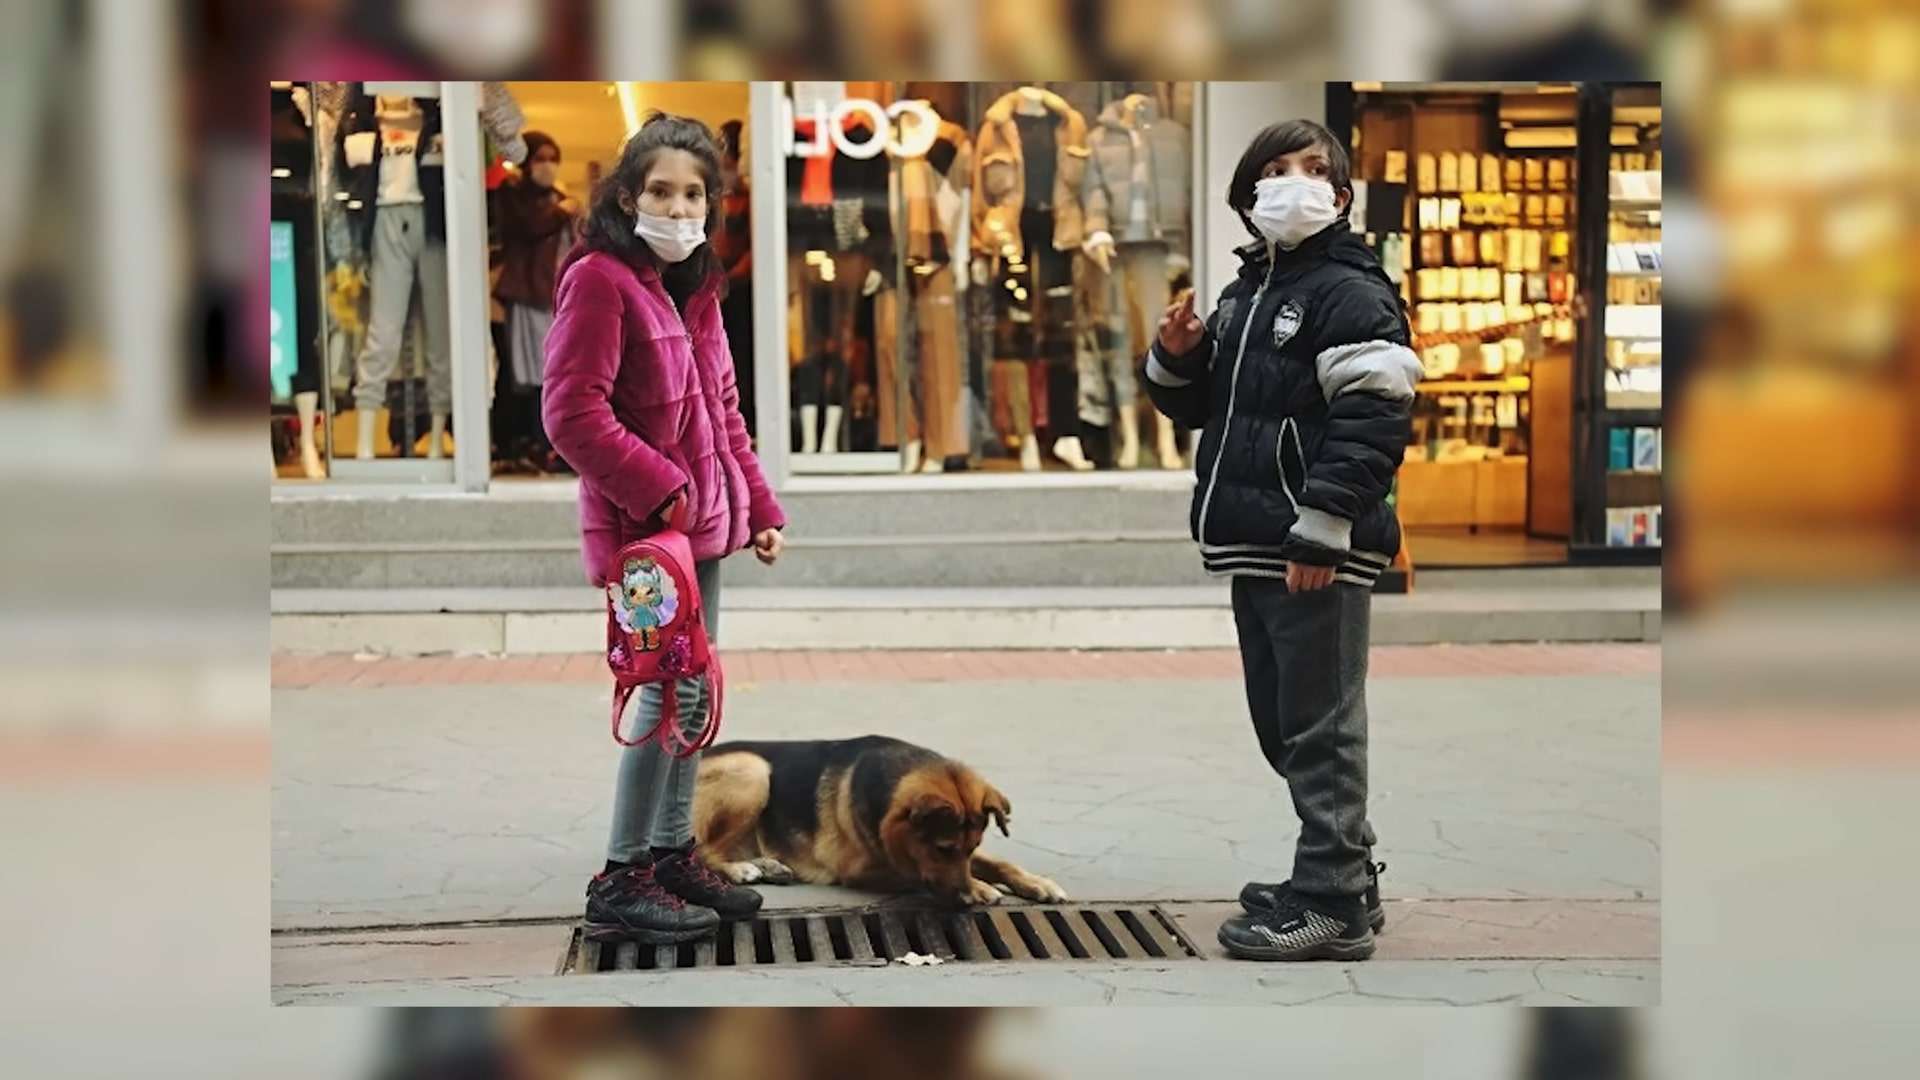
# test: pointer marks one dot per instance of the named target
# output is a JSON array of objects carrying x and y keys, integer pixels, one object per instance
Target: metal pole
[
  {"x": 768, "y": 172},
  {"x": 467, "y": 283}
]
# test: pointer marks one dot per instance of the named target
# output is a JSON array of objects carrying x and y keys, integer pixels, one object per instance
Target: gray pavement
[{"x": 417, "y": 805}]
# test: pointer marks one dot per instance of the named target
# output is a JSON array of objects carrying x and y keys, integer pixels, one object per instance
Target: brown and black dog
[{"x": 873, "y": 813}]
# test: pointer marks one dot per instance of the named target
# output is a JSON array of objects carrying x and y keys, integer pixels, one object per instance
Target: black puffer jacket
[{"x": 1304, "y": 387}]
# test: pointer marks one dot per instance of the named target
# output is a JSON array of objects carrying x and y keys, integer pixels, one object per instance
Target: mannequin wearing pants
[
  {"x": 653, "y": 790},
  {"x": 931, "y": 369},
  {"x": 1128, "y": 302},
  {"x": 402, "y": 253}
]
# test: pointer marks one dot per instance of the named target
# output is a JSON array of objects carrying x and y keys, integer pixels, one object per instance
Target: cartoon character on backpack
[{"x": 644, "y": 600}]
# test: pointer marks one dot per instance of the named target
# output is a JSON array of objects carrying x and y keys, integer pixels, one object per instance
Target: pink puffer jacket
[{"x": 643, "y": 406}]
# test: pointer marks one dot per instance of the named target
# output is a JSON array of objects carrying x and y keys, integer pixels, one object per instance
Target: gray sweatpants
[
  {"x": 1304, "y": 656},
  {"x": 653, "y": 791},
  {"x": 401, "y": 254}
]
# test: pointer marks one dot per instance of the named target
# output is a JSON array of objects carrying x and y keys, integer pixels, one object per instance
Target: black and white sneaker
[
  {"x": 1261, "y": 897},
  {"x": 1301, "y": 928}
]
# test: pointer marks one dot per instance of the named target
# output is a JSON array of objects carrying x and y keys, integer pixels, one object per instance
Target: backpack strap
[
  {"x": 667, "y": 730},
  {"x": 670, "y": 738}
]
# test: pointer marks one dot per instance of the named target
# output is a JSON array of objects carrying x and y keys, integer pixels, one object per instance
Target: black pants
[{"x": 1305, "y": 660}]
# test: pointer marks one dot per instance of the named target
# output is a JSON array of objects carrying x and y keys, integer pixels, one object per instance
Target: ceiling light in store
[
  {"x": 282, "y": 174},
  {"x": 355, "y": 204},
  {"x": 340, "y": 196},
  {"x": 1019, "y": 294}
]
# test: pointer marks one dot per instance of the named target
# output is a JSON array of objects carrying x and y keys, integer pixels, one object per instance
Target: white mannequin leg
[
  {"x": 366, "y": 420},
  {"x": 809, "y": 429},
  {"x": 438, "y": 432},
  {"x": 933, "y": 465},
  {"x": 1129, "y": 424},
  {"x": 307, "y": 404},
  {"x": 830, "y": 438},
  {"x": 1068, "y": 450},
  {"x": 1029, "y": 454},
  {"x": 911, "y": 461},
  {"x": 1168, "y": 444}
]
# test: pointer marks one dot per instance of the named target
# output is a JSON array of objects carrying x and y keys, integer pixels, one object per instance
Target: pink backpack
[{"x": 657, "y": 633}]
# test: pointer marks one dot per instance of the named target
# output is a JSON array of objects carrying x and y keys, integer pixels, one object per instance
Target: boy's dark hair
[
  {"x": 610, "y": 228},
  {"x": 1275, "y": 140}
]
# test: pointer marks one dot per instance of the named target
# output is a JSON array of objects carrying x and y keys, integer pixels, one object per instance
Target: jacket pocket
[
  {"x": 1290, "y": 461},
  {"x": 997, "y": 177},
  {"x": 1073, "y": 168}
]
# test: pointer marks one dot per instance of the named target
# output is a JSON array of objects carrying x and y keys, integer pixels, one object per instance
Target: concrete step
[
  {"x": 567, "y": 620},
  {"x": 874, "y": 507}
]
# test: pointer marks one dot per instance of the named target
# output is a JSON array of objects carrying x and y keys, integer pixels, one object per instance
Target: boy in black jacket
[{"x": 1302, "y": 381}]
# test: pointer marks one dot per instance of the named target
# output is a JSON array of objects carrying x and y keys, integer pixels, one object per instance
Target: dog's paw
[
  {"x": 773, "y": 872},
  {"x": 743, "y": 873},
  {"x": 980, "y": 892},
  {"x": 1039, "y": 890}
]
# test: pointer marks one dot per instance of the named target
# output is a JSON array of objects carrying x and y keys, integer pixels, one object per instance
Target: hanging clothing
[
  {"x": 1000, "y": 177},
  {"x": 1139, "y": 184}
]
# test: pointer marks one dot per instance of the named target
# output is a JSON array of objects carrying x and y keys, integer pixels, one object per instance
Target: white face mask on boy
[
  {"x": 1288, "y": 209},
  {"x": 673, "y": 239}
]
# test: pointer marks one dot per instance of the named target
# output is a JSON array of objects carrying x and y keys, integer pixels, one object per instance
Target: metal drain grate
[{"x": 1104, "y": 933}]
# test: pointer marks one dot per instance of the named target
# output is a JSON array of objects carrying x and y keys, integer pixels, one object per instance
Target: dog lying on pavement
[{"x": 873, "y": 813}]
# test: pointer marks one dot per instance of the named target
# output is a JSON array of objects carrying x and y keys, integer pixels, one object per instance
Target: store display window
[
  {"x": 1630, "y": 330},
  {"x": 359, "y": 280},
  {"x": 974, "y": 270},
  {"x": 573, "y": 133},
  {"x": 1470, "y": 198}
]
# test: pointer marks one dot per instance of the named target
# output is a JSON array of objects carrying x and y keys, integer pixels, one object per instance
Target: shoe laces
[
  {"x": 638, "y": 880},
  {"x": 702, "y": 873}
]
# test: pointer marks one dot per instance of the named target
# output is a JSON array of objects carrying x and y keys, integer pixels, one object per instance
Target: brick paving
[{"x": 302, "y": 671}]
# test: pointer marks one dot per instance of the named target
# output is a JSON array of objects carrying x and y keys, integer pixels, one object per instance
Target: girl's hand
[
  {"x": 768, "y": 544},
  {"x": 671, "y": 511},
  {"x": 1180, "y": 328},
  {"x": 1304, "y": 578}
]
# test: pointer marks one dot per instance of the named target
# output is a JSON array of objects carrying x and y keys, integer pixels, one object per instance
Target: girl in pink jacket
[{"x": 640, "y": 400}]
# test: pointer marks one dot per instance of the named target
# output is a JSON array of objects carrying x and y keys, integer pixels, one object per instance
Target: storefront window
[
  {"x": 1469, "y": 197},
  {"x": 973, "y": 270},
  {"x": 359, "y": 279},
  {"x": 573, "y": 133},
  {"x": 363, "y": 370}
]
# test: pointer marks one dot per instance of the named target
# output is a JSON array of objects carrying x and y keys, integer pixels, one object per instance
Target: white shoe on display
[
  {"x": 1068, "y": 450},
  {"x": 809, "y": 429},
  {"x": 830, "y": 438},
  {"x": 911, "y": 460},
  {"x": 1029, "y": 454}
]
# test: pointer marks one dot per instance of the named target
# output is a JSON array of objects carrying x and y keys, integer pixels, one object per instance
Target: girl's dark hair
[
  {"x": 610, "y": 228},
  {"x": 1284, "y": 138}
]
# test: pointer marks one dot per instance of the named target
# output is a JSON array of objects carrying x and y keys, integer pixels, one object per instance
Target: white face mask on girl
[
  {"x": 673, "y": 239},
  {"x": 544, "y": 173},
  {"x": 1288, "y": 209}
]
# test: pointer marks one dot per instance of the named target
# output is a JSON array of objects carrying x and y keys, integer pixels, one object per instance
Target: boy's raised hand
[{"x": 1180, "y": 328}]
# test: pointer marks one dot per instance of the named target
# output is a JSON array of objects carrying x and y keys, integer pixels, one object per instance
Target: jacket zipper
[{"x": 1233, "y": 391}]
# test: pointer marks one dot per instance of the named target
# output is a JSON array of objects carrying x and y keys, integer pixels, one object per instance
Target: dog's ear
[{"x": 996, "y": 806}]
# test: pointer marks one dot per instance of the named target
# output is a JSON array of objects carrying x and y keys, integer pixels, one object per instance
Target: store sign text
[{"x": 883, "y": 135}]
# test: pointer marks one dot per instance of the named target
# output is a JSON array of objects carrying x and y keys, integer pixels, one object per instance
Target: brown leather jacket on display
[{"x": 1000, "y": 176}]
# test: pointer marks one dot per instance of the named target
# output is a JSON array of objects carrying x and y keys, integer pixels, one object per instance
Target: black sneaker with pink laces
[
  {"x": 628, "y": 903},
  {"x": 682, "y": 873}
]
